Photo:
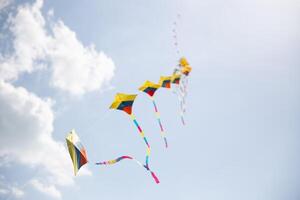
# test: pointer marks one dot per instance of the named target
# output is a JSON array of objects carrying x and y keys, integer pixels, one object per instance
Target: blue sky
[{"x": 62, "y": 62}]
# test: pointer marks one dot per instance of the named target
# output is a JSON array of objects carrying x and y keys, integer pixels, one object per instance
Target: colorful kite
[
  {"x": 186, "y": 70},
  {"x": 175, "y": 79},
  {"x": 124, "y": 102},
  {"x": 150, "y": 88},
  {"x": 165, "y": 81},
  {"x": 76, "y": 150},
  {"x": 183, "y": 62}
]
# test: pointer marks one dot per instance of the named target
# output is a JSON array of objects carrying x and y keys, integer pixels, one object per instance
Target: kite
[
  {"x": 175, "y": 79},
  {"x": 150, "y": 88},
  {"x": 165, "y": 81},
  {"x": 183, "y": 62},
  {"x": 76, "y": 150},
  {"x": 124, "y": 102},
  {"x": 186, "y": 70}
]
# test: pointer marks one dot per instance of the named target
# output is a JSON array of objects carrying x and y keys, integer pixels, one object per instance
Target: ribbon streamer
[
  {"x": 114, "y": 161},
  {"x": 157, "y": 114}
]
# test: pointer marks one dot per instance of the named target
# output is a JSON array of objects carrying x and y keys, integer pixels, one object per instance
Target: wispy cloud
[
  {"x": 75, "y": 68},
  {"x": 8, "y": 190},
  {"x": 51, "y": 190},
  {"x": 26, "y": 123},
  {"x": 26, "y": 120},
  {"x": 4, "y": 3}
]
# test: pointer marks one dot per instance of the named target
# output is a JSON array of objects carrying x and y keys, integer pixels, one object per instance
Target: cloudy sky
[{"x": 61, "y": 62}]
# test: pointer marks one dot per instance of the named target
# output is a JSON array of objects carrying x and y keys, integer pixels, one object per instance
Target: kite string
[
  {"x": 157, "y": 114},
  {"x": 175, "y": 33}
]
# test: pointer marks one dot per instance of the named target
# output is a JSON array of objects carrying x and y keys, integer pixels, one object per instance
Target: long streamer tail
[
  {"x": 148, "y": 151},
  {"x": 181, "y": 93},
  {"x": 114, "y": 161},
  {"x": 157, "y": 114}
]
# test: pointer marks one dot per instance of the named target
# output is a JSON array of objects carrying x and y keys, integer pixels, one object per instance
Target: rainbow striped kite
[{"x": 76, "y": 150}]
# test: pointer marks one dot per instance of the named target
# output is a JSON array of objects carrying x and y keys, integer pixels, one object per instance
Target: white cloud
[
  {"x": 30, "y": 42},
  {"x": 16, "y": 192},
  {"x": 26, "y": 121},
  {"x": 3, "y": 191},
  {"x": 7, "y": 190},
  {"x": 4, "y": 3},
  {"x": 26, "y": 124},
  {"x": 75, "y": 68},
  {"x": 50, "y": 190}
]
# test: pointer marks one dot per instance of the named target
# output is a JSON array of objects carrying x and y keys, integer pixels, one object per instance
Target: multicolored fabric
[
  {"x": 186, "y": 70},
  {"x": 175, "y": 79},
  {"x": 149, "y": 88},
  {"x": 183, "y": 69},
  {"x": 148, "y": 151},
  {"x": 123, "y": 102},
  {"x": 183, "y": 62},
  {"x": 157, "y": 114},
  {"x": 165, "y": 81},
  {"x": 76, "y": 150},
  {"x": 114, "y": 161}
]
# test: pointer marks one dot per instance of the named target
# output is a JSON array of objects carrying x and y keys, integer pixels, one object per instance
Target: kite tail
[
  {"x": 182, "y": 119},
  {"x": 154, "y": 176},
  {"x": 182, "y": 96},
  {"x": 144, "y": 138},
  {"x": 114, "y": 161},
  {"x": 162, "y": 132}
]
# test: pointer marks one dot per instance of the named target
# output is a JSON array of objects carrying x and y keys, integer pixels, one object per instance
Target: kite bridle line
[{"x": 175, "y": 35}]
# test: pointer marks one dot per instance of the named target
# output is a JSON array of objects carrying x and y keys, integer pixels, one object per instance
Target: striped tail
[
  {"x": 148, "y": 151},
  {"x": 114, "y": 161},
  {"x": 157, "y": 114}
]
